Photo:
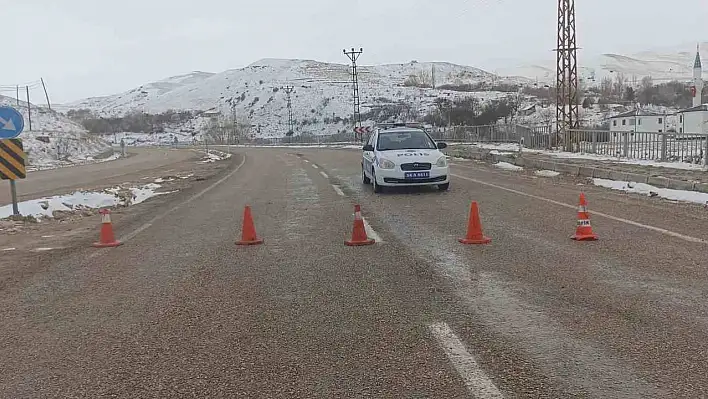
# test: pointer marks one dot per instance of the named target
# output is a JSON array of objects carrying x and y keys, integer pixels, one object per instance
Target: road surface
[
  {"x": 58, "y": 181},
  {"x": 179, "y": 310}
]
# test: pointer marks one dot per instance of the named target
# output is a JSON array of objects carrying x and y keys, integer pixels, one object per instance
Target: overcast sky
[{"x": 96, "y": 47}]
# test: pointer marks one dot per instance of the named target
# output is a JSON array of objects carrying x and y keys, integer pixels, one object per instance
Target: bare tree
[
  {"x": 606, "y": 87},
  {"x": 620, "y": 82}
]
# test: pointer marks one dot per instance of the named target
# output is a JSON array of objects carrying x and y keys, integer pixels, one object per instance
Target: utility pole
[
  {"x": 291, "y": 124},
  {"x": 353, "y": 56},
  {"x": 567, "y": 108},
  {"x": 29, "y": 109},
  {"x": 46, "y": 94},
  {"x": 433, "y": 76}
]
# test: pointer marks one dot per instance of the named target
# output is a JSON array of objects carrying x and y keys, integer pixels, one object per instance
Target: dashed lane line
[
  {"x": 338, "y": 190},
  {"x": 315, "y": 166},
  {"x": 477, "y": 382},
  {"x": 594, "y": 213},
  {"x": 324, "y": 175}
]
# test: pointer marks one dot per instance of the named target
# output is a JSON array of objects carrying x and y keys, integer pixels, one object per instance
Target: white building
[
  {"x": 638, "y": 120},
  {"x": 695, "y": 119}
]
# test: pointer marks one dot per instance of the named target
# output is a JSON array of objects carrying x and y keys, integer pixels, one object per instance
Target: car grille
[{"x": 416, "y": 166}]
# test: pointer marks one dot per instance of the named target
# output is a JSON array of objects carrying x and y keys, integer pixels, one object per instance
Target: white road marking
[
  {"x": 315, "y": 166},
  {"x": 338, "y": 190},
  {"x": 563, "y": 204},
  {"x": 371, "y": 233},
  {"x": 324, "y": 175},
  {"x": 9, "y": 249},
  {"x": 477, "y": 382},
  {"x": 42, "y": 249},
  {"x": 306, "y": 161}
]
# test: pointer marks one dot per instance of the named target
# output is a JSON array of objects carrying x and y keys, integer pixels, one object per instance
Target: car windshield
[{"x": 407, "y": 140}]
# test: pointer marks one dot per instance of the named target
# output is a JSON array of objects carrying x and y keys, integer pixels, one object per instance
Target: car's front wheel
[
  {"x": 444, "y": 187},
  {"x": 364, "y": 178}
]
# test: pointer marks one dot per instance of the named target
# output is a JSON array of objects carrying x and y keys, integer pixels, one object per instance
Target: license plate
[{"x": 417, "y": 175}]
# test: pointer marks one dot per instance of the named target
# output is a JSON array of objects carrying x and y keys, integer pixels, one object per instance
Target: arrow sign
[{"x": 11, "y": 123}]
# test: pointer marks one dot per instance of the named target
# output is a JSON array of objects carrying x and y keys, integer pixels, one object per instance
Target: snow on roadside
[
  {"x": 79, "y": 200},
  {"x": 508, "y": 166},
  {"x": 640, "y": 162},
  {"x": 546, "y": 173},
  {"x": 213, "y": 156},
  {"x": 646, "y": 189}
]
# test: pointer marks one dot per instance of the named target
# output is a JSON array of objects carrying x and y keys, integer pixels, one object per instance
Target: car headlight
[
  {"x": 442, "y": 162},
  {"x": 386, "y": 164}
]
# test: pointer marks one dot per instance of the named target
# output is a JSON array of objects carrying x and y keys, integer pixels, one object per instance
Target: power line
[{"x": 353, "y": 55}]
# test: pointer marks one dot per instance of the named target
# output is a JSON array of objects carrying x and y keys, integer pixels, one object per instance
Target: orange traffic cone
[
  {"x": 474, "y": 228},
  {"x": 106, "y": 239},
  {"x": 248, "y": 234},
  {"x": 584, "y": 230},
  {"x": 359, "y": 233}
]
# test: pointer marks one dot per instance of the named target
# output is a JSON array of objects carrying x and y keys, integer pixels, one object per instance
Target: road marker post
[{"x": 12, "y": 155}]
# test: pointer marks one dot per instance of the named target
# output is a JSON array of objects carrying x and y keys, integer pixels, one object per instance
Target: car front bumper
[{"x": 397, "y": 177}]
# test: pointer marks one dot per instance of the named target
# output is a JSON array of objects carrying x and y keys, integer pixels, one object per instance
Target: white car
[{"x": 404, "y": 156}]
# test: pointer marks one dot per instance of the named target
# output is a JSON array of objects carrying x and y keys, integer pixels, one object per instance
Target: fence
[
  {"x": 532, "y": 137},
  {"x": 665, "y": 147}
]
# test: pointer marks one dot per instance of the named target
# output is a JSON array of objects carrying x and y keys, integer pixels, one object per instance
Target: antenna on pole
[
  {"x": 567, "y": 107},
  {"x": 353, "y": 56}
]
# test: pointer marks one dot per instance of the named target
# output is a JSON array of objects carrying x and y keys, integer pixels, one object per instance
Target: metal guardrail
[{"x": 664, "y": 147}]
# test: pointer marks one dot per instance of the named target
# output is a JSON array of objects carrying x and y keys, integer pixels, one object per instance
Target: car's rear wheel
[
  {"x": 444, "y": 187},
  {"x": 364, "y": 178},
  {"x": 377, "y": 188}
]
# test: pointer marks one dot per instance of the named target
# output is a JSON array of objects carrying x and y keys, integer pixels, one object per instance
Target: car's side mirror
[
  {"x": 368, "y": 147},
  {"x": 442, "y": 146}
]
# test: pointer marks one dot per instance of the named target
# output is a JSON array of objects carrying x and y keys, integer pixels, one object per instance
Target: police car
[{"x": 404, "y": 156}]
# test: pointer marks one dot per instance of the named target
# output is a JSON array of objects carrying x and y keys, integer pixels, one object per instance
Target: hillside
[
  {"x": 67, "y": 143},
  {"x": 670, "y": 63},
  {"x": 322, "y": 93}
]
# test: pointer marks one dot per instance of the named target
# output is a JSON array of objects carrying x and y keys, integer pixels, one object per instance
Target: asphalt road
[
  {"x": 61, "y": 180},
  {"x": 179, "y": 310}
]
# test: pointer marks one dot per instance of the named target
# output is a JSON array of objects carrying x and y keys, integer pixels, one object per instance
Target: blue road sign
[{"x": 11, "y": 123}]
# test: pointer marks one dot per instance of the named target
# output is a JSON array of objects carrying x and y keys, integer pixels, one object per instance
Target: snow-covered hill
[
  {"x": 669, "y": 63},
  {"x": 321, "y": 91},
  {"x": 53, "y": 138}
]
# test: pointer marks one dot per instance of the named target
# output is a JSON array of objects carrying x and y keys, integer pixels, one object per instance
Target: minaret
[{"x": 697, "y": 88}]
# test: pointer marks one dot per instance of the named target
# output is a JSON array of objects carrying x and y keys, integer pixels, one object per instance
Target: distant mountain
[
  {"x": 668, "y": 63},
  {"x": 321, "y": 91}
]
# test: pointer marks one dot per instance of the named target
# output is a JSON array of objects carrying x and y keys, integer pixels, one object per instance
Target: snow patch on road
[
  {"x": 646, "y": 189},
  {"x": 79, "y": 200},
  {"x": 508, "y": 166},
  {"x": 546, "y": 173}
]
